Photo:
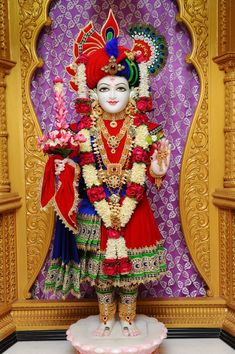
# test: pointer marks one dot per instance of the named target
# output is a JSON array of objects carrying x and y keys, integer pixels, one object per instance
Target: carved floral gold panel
[
  {"x": 33, "y": 15},
  {"x": 194, "y": 193},
  {"x": 224, "y": 224},
  {"x": 4, "y": 31},
  {"x": 8, "y": 270}
]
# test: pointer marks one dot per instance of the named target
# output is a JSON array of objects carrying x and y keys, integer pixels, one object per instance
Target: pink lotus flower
[{"x": 64, "y": 136}]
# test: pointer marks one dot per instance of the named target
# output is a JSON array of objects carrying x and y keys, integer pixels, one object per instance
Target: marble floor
[{"x": 169, "y": 346}]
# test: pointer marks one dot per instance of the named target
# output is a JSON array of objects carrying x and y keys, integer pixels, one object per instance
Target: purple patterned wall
[{"x": 175, "y": 92}]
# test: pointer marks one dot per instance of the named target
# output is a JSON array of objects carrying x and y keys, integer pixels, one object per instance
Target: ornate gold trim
[
  {"x": 7, "y": 325},
  {"x": 229, "y": 322},
  {"x": 9, "y": 201},
  {"x": 8, "y": 270},
  {"x": 225, "y": 198},
  {"x": 5, "y": 67},
  {"x": 39, "y": 224},
  {"x": 226, "y": 10},
  {"x": 35, "y": 315},
  {"x": 226, "y": 61},
  {"x": 4, "y": 30},
  {"x": 194, "y": 186}
]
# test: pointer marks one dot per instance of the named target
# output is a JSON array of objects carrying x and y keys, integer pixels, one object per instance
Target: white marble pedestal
[{"x": 81, "y": 335}]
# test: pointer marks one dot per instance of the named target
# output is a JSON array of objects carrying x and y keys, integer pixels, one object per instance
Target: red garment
[{"x": 141, "y": 231}]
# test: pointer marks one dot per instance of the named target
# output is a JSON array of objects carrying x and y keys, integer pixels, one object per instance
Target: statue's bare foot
[
  {"x": 105, "y": 329},
  {"x": 129, "y": 330}
]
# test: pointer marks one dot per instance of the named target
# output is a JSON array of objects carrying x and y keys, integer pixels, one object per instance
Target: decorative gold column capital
[{"x": 226, "y": 62}]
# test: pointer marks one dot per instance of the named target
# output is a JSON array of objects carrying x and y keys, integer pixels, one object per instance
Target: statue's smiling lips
[{"x": 112, "y": 102}]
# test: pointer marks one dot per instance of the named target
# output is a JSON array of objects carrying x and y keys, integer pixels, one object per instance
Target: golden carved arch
[
  {"x": 194, "y": 179},
  {"x": 194, "y": 173},
  {"x": 33, "y": 16}
]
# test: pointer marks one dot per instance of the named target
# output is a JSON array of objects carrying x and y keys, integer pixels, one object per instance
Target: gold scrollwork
[
  {"x": 194, "y": 193},
  {"x": 33, "y": 16},
  {"x": 8, "y": 278},
  {"x": 224, "y": 226},
  {"x": 4, "y": 32}
]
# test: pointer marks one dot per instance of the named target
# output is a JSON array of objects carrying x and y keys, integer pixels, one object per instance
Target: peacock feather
[{"x": 151, "y": 44}]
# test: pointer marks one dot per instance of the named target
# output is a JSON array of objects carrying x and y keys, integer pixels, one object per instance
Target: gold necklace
[
  {"x": 115, "y": 174},
  {"x": 113, "y": 117},
  {"x": 113, "y": 141}
]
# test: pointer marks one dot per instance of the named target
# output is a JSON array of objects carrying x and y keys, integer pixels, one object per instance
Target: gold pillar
[
  {"x": 225, "y": 198},
  {"x": 9, "y": 201}
]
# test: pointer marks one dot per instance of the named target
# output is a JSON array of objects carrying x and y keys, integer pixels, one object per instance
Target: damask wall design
[{"x": 175, "y": 92}]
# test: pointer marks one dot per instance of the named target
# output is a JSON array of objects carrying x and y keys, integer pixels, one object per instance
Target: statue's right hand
[{"x": 59, "y": 166}]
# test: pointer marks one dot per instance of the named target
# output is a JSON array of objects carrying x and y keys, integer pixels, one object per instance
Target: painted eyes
[
  {"x": 107, "y": 89},
  {"x": 103, "y": 89},
  {"x": 121, "y": 89}
]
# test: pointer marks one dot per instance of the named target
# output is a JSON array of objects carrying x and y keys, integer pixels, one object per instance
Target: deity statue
[{"x": 106, "y": 233}]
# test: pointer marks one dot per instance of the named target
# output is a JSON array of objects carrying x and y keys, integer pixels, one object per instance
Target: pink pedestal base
[{"x": 81, "y": 335}]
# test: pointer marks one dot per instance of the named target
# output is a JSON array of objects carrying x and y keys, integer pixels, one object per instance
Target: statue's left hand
[{"x": 161, "y": 158}]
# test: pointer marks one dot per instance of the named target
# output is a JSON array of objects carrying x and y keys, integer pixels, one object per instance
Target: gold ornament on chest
[
  {"x": 114, "y": 175},
  {"x": 113, "y": 143}
]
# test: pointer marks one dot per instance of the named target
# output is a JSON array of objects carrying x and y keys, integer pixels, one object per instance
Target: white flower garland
[
  {"x": 81, "y": 81},
  {"x": 137, "y": 176},
  {"x": 103, "y": 209},
  {"x": 116, "y": 248},
  {"x": 138, "y": 173},
  {"x": 90, "y": 175},
  {"x": 127, "y": 209},
  {"x": 144, "y": 80},
  {"x": 141, "y": 134},
  {"x": 86, "y": 146}
]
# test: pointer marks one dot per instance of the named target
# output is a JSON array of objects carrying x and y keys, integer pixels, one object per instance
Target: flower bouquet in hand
[
  {"x": 60, "y": 141},
  {"x": 61, "y": 145}
]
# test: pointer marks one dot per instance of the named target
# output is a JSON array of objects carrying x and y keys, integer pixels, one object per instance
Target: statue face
[{"x": 113, "y": 93}]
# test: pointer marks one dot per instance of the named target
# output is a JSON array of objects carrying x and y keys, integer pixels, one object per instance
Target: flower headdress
[{"x": 98, "y": 55}]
